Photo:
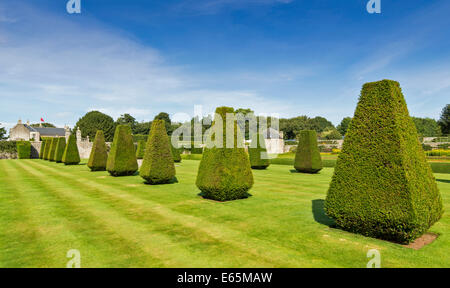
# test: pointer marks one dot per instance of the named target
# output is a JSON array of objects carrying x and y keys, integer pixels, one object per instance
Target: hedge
[
  {"x": 99, "y": 155},
  {"x": 23, "y": 149},
  {"x": 48, "y": 144},
  {"x": 139, "y": 137},
  {"x": 42, "y": 151},
  {"x": 140, "y": 151},
  {"x": 158, "y": 166},
  {"x": 51, "y": 151},
  {"x": 307, "y": 156},
  {"x": 71, "y": 155},
  {"x": 122, "y": 157},
  {"x": 224, "y": 173},
  {"x": 382, "y": 186},
  {"x": 8, "y": 147},
  {"x": 258, "y": 154},
  {"x": 176, "y": 154},
  {"x": 60, "y": 147}
]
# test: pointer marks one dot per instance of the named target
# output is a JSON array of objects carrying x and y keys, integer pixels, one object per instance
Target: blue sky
[{"x": 291, "y": 57}]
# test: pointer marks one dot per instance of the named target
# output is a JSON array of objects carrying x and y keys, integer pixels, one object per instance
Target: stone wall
[{"x": 35, "y": 149}]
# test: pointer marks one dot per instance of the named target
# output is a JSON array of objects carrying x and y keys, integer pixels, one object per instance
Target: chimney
[{"x": 19, "y": 122}]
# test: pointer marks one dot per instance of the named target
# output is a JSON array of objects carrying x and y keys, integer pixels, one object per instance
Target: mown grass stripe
[{"x": 242, "y": 244}]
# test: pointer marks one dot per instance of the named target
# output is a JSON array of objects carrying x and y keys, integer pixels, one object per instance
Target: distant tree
[
  {"x": 93, "y": 121},
  {"x": 127, "y": 119},
  {"x": 168, "y": 123},
  {"x": 2, "y": 133},
  {"x": 246, "y": 112},
  {"x": 320, "y": 124},
  {"x": 290, "y": 127},
  {"x": 45, "y": 125},
  {"x": 343, "y": 127},
  {"x": 142, "y": 128},
  {"x": 330, "y": 133},
  {"x": 427, "y": 127},
  {"x": 444, "y": 121}
]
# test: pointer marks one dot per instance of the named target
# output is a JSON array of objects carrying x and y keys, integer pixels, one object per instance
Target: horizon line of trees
[{"x": 291, "y": 127}]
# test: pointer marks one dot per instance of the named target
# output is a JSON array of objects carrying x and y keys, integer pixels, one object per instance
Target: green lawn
[{"x": 47, "y": 209}]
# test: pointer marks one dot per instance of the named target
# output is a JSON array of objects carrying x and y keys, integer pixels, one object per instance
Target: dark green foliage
[
  {"x": 60, "y": 147},
  {"x": 122, "y": 157},
  {"x": 343, "y": 126},
  {"x": 225, "y": 173},
  {"x": 427, "y": 127},
  {"x": 8, "y": 147},
  {"x": 140, "y": 151},
  {"x": 51, "y": 155},
  {"x": 71, "y": 155},
  {"x": 382, "y": 185},
  {"x": 444, "y": 121},
  {"x": 99, "y": 155},
  {"x": 307, "y": 156},
  {"x": 23, "y": 150},
  {"x": 93, "y": 121},
  {"x": 167, "y": 122},
  {"x": 176, "y": 154},
  {"x": 258, "y": 155},
  {"x": 158, "y": 166},
  {"x": 42, "y": 151},
  {"x": 2, "y": 133},
  {"x": 139, "y": 137},
  {"x": 48, "y": 143}
]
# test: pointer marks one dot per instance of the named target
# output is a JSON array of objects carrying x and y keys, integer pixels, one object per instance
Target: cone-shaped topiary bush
[
  {"x": 140, "y": 151},
  {"x": 122, "y": 157},
  {"x": 60, "y": 147},
  {"x": 71, "y": 155},
  {"x": 23, "y": 149},
  {"x": 51, "y": 152},
  {"x": 42, "y": 151},
  {"x": 307, "y": 156},
  {"x": 99, "y": 154},
  {"x": 224, "y": 173},
  {"x": 158, "y": 166},
  {"x": 48, "y": 143},
  {"x": 176, "y": 154},
  {"x": 258, "y": 154},
  {"x": 382, "y": 185}
]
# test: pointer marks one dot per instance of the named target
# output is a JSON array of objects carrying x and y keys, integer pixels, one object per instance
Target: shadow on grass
[
  {"x": 174, "y": 180},
  {"x": 319, "y": 213},
  {"x": 443, "y": 180},
  {"x": 202, "y": 194}
]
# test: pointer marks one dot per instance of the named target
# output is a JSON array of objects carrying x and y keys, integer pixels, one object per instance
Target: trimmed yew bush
[
  {"x": 122, "y": 157},
  {"x": 224, "y": 173},
  {"x": 23, "y": 150},
  {"x": 71, "y": 155},
  {"x": 60, "y": 147},
  {"x": 258, "y": 154},
  {"x": 42, "y": 151},
  {"x": 51, "y": 151},
  {"x": 158, "y": 166},
  {"x": 382, "y": 185},
  {"x": 140, "y": 151},
  {"x": 176, "y": 154},
  {"x": 307, "y": 156},
  {"x": 48, "y": 143},
  {"x": 99, "y": 154}
]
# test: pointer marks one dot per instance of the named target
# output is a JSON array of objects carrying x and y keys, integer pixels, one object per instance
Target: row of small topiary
[{"x": 57, "y": 150}]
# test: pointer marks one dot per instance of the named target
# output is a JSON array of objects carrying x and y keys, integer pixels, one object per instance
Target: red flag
[{"x": 42, "y": 120}]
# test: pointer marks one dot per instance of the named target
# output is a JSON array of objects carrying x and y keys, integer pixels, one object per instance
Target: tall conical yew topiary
[
  {"x": 307, "y": 157},
  {"x": 258, "y": 152},
  {"x": 99, "y": 154},
  {"x": 176, "y": 154},
  {"x": 224, "y": 173},
  {"x": 140, "y": 151},
  {"x": 158, "y": 166},
  {"x": 48, "y": 143},
  {"x": 60, "y": 147},
  {"x": 382, "y": 185},
  {"x": 42, "y": 151},
  {"x": 71, "y": 155},
  {"x": 122, "y": 157},
  {"x": 51, "y": 152}
]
